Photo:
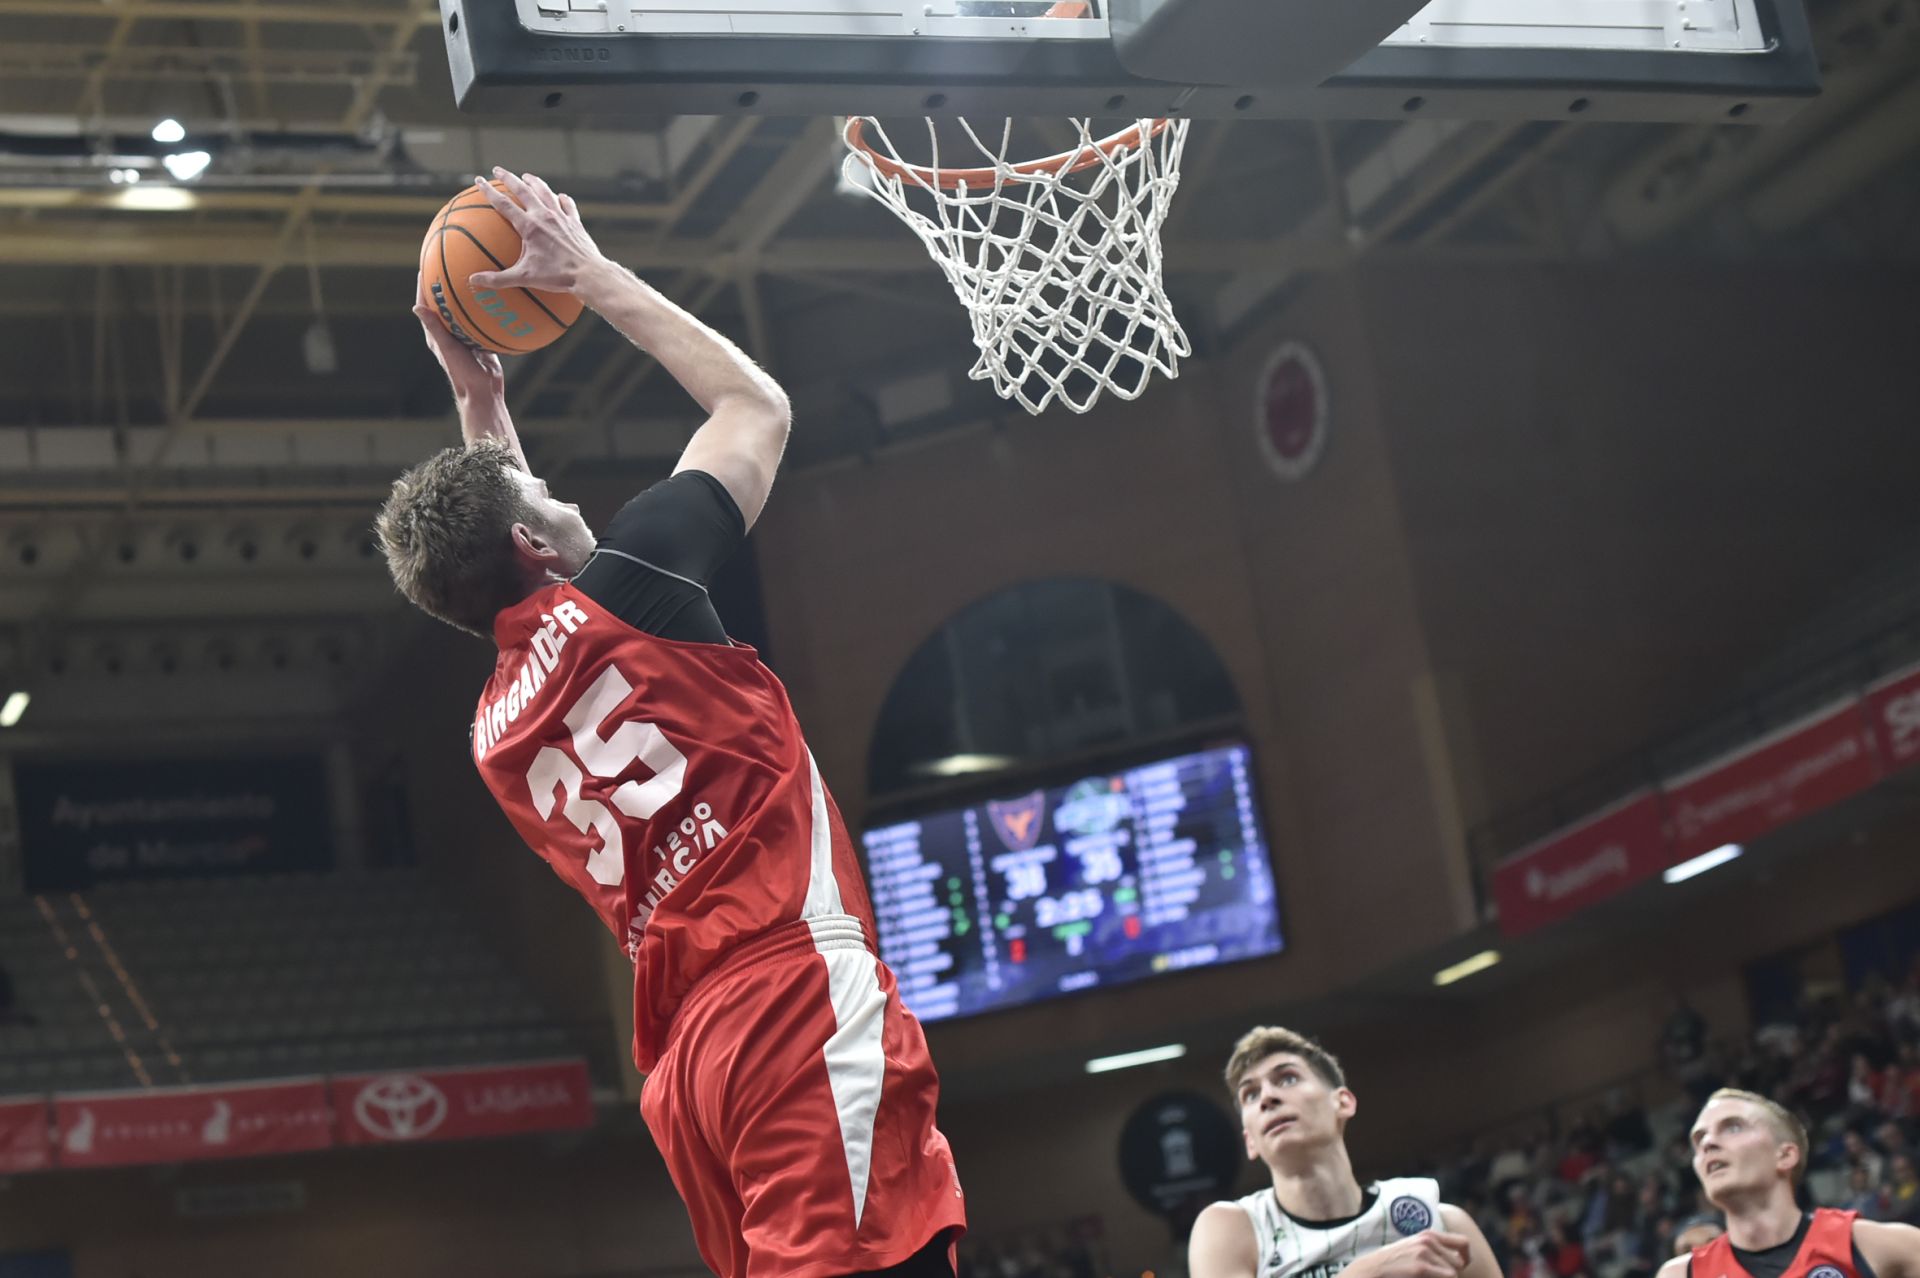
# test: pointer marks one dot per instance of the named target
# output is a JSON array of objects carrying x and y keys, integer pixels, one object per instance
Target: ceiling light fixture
[
  {"x": 1466, "y": 967},
  {"x": 15, "y": 707},
  {"x": 157, "y": 199},
  {"x": 186, "y": 165},
  {"x": 168, "y": 131},
  {"x": 1127, "y": 1060},
  {"x": 960, "y": 765},
  {"x": 1701, "y": 864}
]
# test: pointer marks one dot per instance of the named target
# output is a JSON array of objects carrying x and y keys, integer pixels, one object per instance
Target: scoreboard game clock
[{"x": 1115, "y": 877}]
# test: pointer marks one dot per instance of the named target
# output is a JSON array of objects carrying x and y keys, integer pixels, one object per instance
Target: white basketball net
[{"x": 1060, "y": 270}]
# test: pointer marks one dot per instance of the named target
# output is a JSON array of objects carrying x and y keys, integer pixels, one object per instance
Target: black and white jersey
[{"x": 1294, "y": 1248}]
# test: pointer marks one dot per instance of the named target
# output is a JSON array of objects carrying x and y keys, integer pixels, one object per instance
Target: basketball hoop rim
[{"x": 1067, "y": 162}]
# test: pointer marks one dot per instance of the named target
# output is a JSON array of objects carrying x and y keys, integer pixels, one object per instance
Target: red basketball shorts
[{"x": 794, "y": 1105}]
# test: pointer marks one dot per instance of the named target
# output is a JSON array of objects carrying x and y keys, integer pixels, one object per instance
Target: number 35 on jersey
[{"x": 580, "y": 783}]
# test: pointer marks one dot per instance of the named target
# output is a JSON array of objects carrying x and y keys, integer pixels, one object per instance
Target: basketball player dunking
[
  {"x": 657, "y": 766},
  {"x": 1749, "y": 1152},
  {"x": 1315, "y": 1220}
]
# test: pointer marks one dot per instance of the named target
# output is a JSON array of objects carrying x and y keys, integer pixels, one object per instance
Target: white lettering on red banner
[
  {"x": 189, "y": 1124},
  {"x": 26, "y": 1136},
  {"x": 1802, "y": 768},
  {"x": 1568, "y": 871},
  {"x": 377, "y": 1109},
  {"x": 1893, "y": 708},
  {"x": 192, "y": 1124}
]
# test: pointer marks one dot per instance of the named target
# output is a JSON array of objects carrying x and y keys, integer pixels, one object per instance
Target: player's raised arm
[
  {"x": 479, "y": 386},
  {"x": 747, "y": 413},
  {"x": 1892, "y": 1249},
  {"x": 1222, "y": 1244},
  {"x": 1480, "y": 1260}
]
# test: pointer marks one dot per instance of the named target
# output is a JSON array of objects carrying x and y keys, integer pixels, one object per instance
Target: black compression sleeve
[
  {"x": 652, "y": 565},
  {"x": 687, "y": 525}
]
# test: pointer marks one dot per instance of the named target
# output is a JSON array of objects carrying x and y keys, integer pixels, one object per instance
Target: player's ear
[
  {"x": 532, "y": 547},
  {"x": 1253, "y": 1151},
  {"x": 1345, "y": 1103}
]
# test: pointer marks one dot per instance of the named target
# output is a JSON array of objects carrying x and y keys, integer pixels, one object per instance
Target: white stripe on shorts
[
  {"x": 856, "y": 1060},
  {"x": 823, "y": 891}
]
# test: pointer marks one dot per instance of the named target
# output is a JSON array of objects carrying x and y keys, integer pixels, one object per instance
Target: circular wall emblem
[
  {"x": 1410, "y": 1216},
  {"x": 400, "y": 1107},
  {"x": 1178, "y": 1152},
  {"x": 1290, "y": 410}
]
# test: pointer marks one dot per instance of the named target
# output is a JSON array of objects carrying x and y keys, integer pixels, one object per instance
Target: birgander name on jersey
[{"x": 491, "y": 723}]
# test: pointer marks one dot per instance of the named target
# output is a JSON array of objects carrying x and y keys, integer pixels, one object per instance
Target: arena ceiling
[{"x": 228, "y": 364}]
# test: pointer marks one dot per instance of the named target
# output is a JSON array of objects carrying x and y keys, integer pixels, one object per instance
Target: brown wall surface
[
  {"x": 1625, "y": 485},
  {"x": 1304, "y": 590}
]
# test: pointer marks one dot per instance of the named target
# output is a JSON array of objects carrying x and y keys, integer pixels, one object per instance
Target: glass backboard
[{"x": 1748, "y": 60}]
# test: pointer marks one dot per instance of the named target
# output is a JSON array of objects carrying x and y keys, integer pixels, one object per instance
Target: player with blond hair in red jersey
[
  {"x": 659, "y": 769},
  {"x": 1749, "y": 1152}
]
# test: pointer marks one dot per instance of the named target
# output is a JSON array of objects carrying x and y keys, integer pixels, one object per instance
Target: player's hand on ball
[
  {"x": 475, "y": 374},
  {"x": 555, "y": 249},
  {"x": 1431, "y": 1254}
]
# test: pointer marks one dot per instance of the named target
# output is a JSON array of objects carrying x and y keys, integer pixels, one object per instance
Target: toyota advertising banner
[
  {"x": 1802, "y": 768},
  {"x": 26, "y": 1135},
  {"x": 455, "y": 1104},
  {"x": 191, "y": 1124},
  {"x": 285, "y": 1116},
  {"x": 1581, "y": 865},
  {"x": 87, "y": 822},
  {"x": 1893, "y": 710}
]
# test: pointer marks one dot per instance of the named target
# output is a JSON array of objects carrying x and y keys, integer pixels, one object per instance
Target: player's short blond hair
[
  {"x": 1263, "y": 1041},
  {"x": 447, "y": 532},
  {"x": 1783, "y": 1121}
]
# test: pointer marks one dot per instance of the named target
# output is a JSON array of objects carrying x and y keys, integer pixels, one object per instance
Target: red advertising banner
[
  {"x": 1893, "y": 708},
  {"x": 1787, "y": 774},
  {"x": 454, "y": 1104},
  {"x": 1581, "y": 865},
  {"x": 26, "y": 1136},
  {"x": 191, "y": 1124}
]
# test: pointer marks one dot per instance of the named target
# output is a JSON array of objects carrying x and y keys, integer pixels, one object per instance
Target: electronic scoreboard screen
[{"x": 1118, "y": 876}]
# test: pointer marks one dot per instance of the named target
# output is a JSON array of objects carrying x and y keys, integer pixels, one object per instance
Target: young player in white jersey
[{"x": 1315, "y": 1220}]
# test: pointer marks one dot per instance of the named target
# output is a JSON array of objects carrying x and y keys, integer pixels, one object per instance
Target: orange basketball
[{"x": 467, "y": 235}]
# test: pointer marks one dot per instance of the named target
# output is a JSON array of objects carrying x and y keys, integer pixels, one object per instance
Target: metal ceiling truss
[
  {"x": 405, "y": 15},
  {"x": 1417, "y": 188},
  {"x": 68, "y": 60}
]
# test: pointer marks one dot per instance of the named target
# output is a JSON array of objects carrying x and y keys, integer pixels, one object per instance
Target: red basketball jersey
[
  {"x": 668, "y": 783},
  {"x": 1826, "y": 1252}
]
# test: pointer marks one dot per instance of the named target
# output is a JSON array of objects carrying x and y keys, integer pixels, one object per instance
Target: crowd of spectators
[
  {"x": 1608, "y": 1193},
  {"x": 1074, "y": 1250}
]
